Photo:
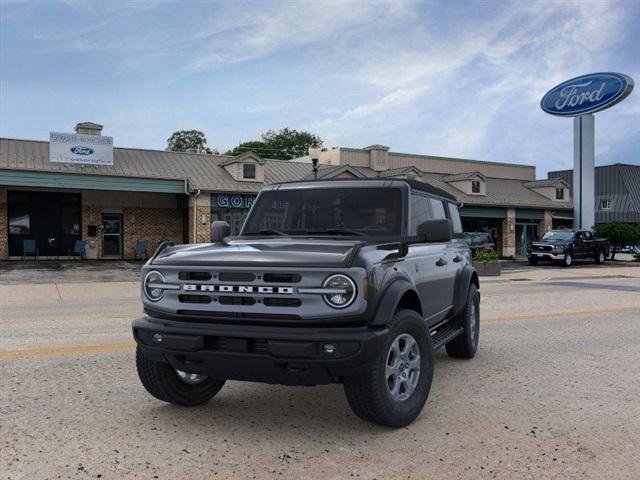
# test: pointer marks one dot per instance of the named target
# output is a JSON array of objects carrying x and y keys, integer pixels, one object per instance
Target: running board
[{"x": 444, "y": 335}]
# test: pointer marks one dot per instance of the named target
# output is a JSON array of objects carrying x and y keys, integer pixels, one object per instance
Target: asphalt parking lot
[{"x": 552, "y": 393}]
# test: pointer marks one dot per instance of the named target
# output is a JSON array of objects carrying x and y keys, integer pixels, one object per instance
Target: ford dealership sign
[
  {"x": 587, "y": 94},
  {"x": 80, "y": 149}
]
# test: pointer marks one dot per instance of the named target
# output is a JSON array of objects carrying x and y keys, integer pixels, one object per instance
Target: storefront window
[
  {"x": 19, "y": 221},
  {"x": 52, "y": 219},
  {"x": 231, "y": 208},
  {"x": 19, "y": 218}
]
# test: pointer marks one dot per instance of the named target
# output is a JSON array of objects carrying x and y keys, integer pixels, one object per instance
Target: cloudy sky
[{"x": 461, "y": 79}]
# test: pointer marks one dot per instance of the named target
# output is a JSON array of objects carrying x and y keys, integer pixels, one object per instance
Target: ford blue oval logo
[
  {"x": 79, "y": 150},
  {"x": 587, "y": 94}
]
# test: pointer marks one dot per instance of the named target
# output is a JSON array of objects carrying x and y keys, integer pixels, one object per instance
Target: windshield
[
  {"x": 327, "y": 211},
  {"x": 558, "y": 235}
]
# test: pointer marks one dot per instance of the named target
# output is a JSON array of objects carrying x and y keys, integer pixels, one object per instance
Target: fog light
[
  {"x": 156, "y": 338},
  {"x": 329, "y": 348}
]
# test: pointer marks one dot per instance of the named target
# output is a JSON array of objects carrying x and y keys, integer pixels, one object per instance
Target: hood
[{"x": 280, "y": 252}]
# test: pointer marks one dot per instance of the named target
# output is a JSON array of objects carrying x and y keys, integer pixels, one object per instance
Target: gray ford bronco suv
[{"x": 351, "y": 281}]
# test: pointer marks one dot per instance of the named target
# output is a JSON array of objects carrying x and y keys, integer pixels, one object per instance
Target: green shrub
[
  {"x": 619, "y": 234},
  {"x": 484, "y": 257}
]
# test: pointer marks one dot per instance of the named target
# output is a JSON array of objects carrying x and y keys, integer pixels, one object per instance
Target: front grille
[
  {"x": 195, "y": 276},
  {"x": 237, "y": 277},
  {"x": 194, "y": 299},
  {"x": 229, "y": 300},
  {"x": 282, "y": 277},
  {"x": 282, "y": 302},
  {"x": 543, "y": 248}
]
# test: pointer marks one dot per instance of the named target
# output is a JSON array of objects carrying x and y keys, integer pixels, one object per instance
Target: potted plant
[{"x": 487, "y": 263}]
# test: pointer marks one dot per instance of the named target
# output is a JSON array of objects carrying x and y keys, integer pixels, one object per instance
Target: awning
[{"x": 30, "y": 178}]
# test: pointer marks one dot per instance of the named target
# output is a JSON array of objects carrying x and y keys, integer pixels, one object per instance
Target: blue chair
[
  {"x": 29, "y": 248},
  {"x": 79, "y": 248},
  {"x": 141, "y": 249}
]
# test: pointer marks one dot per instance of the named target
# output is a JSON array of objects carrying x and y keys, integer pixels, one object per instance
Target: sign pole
[
  {"x": 579, "y": 98},
  {"x": 583, "y": 171}
]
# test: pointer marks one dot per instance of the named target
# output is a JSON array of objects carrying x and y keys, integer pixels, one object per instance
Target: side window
[
  {"x": 420, "y": 211},
  {"x": 454, "y": 216},
  {"x": 437, "y": 208}
]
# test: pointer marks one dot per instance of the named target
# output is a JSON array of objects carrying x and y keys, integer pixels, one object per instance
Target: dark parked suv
[{"x": 357, "y": 282}]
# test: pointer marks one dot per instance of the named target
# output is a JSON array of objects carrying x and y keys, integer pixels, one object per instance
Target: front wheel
[
  {"x": 175, "y": 386},
  {"x": 394, "y": 388},
  {"x": 600, "y": 257},
  {"x": 532, "y": 260},
  {"x": 567, "y": 261}
]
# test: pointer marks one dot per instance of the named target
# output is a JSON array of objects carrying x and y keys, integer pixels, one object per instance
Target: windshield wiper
[
  {"x": 266, "y": 232},
  {"x": 334, "y": 231}
]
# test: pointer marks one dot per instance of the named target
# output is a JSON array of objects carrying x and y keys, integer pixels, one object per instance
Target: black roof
[{"x": 414, "y": 184}]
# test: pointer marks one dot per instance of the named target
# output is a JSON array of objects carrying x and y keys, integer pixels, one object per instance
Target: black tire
[
  {"x": 532, "y": 260},
  {"x": 465, "y": 345},
  {"x": 162, "y": 381},
  {"x": 567, "y": 261},
  {"x": 368, "y": 394},
  {"x": 600, "y": 257}
]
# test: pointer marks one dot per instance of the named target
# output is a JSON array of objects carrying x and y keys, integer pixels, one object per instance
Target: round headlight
[
  {"x": 344, "y": 291},
  {"x": 152, "y": 282}
]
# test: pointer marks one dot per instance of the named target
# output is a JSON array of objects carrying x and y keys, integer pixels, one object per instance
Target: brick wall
[
  {"x": 152, "y": 224},
  {"x": 203, "y": 231}
]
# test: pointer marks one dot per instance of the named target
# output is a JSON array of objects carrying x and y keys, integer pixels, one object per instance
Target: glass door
[
  {"x": 112, "y": 235},
  {"x": 525, "y": 233}
]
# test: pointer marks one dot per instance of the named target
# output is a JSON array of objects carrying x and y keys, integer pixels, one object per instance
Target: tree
[
  {"x": 257, "y": 147},
  {"x": 619, "y": 234},
  {"x": 284, "y": 144},
  {"x": 188, "y": 141}
]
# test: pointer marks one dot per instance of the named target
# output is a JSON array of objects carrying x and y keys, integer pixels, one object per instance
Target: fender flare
[
  {"x": 465, "y": 278},
  {"x": 389, "y": 301}
]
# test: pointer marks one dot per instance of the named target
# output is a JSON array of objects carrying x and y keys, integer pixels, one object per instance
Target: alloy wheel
[{"x": 402, "y": 368}]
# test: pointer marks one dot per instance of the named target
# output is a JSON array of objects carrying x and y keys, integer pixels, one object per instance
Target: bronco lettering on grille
[{"x": 189, "y": 287}]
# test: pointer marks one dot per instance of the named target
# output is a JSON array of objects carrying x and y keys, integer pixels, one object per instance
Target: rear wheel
[
  {"x": 466, "y": 344},
  {"x": 393, "y": 389},
  {"x": 175, "y": 386}
]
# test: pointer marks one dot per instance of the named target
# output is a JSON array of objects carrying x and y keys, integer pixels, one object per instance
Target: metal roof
[
  {"x": 464, "y": 176},
  {"x": 205, "y": 172},
  {"x": 547, "y": 182},
  {"x": 201, "y": 170}
]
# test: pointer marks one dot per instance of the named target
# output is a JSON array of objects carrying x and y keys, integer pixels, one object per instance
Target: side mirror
[
  {"x": 434, "y": 231},
  {"x": 219, "y": 231}
]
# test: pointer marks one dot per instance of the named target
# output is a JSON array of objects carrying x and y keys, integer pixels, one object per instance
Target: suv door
[
  {"x": 447, "y": 265},
  {"x": 428, "y": 262}
]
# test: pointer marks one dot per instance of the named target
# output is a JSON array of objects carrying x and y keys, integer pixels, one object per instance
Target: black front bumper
[{"x": 284, "y": 355}]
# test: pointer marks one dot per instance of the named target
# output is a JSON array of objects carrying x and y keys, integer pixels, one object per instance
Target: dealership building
[{"x": 113, "y": 199}]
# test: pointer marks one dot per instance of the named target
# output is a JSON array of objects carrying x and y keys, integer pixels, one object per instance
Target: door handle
[
  {"x": 457, "y": 259},
  {"x": 441, "y": 262}
]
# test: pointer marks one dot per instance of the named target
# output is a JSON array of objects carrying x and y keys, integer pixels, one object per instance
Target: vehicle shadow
[{"x": 321, "y": 411}]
